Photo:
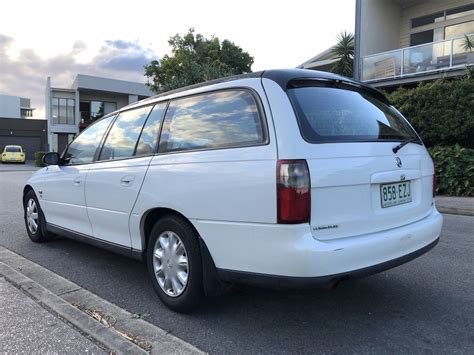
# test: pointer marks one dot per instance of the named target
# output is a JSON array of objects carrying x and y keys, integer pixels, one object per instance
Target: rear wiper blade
[{"x": 404, "y": 143}]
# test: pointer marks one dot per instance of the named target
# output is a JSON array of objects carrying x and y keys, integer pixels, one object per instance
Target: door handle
[
  {"x": 77, "y": 182},
  {"x": 127, "y": 180}
]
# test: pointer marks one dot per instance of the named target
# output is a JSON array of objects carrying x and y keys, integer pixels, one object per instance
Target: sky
[{"x": 116, "y": 39}]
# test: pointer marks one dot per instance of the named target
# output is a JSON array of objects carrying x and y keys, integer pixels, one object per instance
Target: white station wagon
[{"x": 282, "y": 178}]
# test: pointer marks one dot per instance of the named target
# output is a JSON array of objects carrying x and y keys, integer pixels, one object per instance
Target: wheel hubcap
[
  {"x": 170, "y": 262},
  {"x": 32, "y": 215}
]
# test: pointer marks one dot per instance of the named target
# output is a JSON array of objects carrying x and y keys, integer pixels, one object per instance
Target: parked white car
[{"x": 283, "y": 178}]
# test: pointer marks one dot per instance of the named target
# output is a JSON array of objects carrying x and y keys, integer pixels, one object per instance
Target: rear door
[
  {"x": 359, "y": 185},
  {"x": 115, "y": 179}
]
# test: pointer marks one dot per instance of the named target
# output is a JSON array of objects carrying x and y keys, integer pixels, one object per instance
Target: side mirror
[{"x": 51, "y": 158}]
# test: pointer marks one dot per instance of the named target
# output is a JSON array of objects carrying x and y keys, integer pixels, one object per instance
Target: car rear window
[
  {"x": 13, "y": 149},
  {"x": 327, "y": 114}
]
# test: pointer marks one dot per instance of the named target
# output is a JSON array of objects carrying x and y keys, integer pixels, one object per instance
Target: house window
[
  {"x": 421, "y": 38},
  {"x": 458, "y": 30},
  {"x": 92, "y": 110},
  {"x": 426, "y": 20},
  {"x": 435, "y": 25},
  {"x": 460, "y": 12},
  {"x": 63, "y": 110},
  {"x": 25, "y": 112}
]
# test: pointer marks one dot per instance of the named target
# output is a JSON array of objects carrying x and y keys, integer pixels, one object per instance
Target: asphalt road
[{"x": 426, "y": 305}]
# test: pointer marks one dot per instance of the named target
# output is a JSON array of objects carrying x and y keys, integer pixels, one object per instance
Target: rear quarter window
[
  {"x": 221, "y": 119},
  {"x": 327, "y": 114}
]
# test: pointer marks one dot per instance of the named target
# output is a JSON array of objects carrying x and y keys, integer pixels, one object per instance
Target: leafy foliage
[
  {"x": 468, "y": 43},
  {"x": 454, "y": 167},
  {"x": 344, "y": 52},
  {"x": 39, "y": 158},
  {"x": 195, "y": 59},
  {"x": 441, "y": 111}
]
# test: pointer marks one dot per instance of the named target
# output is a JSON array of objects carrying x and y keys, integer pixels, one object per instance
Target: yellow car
[{"x": 13, "y": 154}]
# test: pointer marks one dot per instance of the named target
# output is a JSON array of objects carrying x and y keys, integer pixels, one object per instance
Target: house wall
[
  {"x": 379, "y": 26},
  {"x": 110, "y": 85},
  {"x": 10, "y": 106}
]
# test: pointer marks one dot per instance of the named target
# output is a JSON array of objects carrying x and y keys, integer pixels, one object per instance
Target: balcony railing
[{"x": 415, "y": 60}]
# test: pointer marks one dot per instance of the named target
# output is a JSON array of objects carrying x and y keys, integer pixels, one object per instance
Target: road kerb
[
  {"x": 79, "y": 319},
  {"x": 60, "y": 295}
]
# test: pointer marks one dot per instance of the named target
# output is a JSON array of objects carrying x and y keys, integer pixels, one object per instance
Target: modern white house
[
  {"x": 401, "y": 42},
  {"x": 70, "y": 110},
  {"x": 15, "y": 107}
]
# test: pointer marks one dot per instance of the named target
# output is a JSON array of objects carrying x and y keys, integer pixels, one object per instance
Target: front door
[
  {"x": 62, "y": 189},
  {"x": 63, "y": 140},
  {"x": 62, "y": 197}
]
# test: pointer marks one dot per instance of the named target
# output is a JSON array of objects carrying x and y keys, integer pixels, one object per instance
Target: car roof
[
  {"x": 12, "y": 145},
  {"x": 283, "y": 77}
]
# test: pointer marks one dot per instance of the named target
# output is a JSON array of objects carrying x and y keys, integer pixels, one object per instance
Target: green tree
[
  {"x": 344, "y": 52},
  {"x": 195, "y": 59}
]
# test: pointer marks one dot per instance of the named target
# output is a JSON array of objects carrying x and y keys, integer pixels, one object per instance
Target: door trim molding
[{"x": 84, "y": 238}]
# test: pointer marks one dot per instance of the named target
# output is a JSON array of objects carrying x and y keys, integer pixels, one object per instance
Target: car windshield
[
  {"x": 13, "y": 149},
  {"x": 327, "y": 114}
]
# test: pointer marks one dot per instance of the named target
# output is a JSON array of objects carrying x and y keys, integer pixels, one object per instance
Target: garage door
[{"x": 29, "y": 144}]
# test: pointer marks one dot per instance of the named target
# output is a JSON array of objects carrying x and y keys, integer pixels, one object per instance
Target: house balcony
[
  {"x": 87, "y": 118},
  {"x": 424, "y": 59}
]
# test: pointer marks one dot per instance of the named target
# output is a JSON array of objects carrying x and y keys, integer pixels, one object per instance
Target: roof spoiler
[{"x": 337, "y": 83}]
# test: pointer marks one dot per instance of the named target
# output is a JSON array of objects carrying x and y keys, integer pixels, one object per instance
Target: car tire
[
  {"x": 174, "y": 255},
  {"x": 33, "y": 216}
]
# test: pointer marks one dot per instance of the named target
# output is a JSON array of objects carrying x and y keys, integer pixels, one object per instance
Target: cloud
[
  {"x": 25, "y": 75},
  {"x": 120, "y": 44}
]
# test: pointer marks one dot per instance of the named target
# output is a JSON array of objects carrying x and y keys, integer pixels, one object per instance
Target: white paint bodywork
[
  {"x": 229, "y": 195},
  {"x": 60, "y": 190}
]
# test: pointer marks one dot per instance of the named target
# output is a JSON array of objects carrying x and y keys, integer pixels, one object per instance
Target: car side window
[
  {"x": 149, "y": 136},
  {"x": 82, "y": 150},
  {"x": 123, "y": 136},
  {"x": 213, "y": 120}
]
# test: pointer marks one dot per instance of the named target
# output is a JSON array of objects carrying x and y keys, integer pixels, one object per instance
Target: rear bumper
[
  {"x": 12, "y": 160},
  {"x": 290, "y": 254},
  {"x": 273, "y": 281}
]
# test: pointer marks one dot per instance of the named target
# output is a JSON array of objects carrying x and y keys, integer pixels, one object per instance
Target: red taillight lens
[{"x": 293, "y": 191}]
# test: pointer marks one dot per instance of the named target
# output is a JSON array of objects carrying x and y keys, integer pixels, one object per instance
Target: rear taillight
[{"x": 293, "y": 191}]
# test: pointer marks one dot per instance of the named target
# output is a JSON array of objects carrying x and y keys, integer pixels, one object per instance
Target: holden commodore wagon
[{"x": 282, "y": 178}]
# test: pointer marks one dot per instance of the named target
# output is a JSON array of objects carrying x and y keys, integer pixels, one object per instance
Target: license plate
[{"x": 395, "y": 193}]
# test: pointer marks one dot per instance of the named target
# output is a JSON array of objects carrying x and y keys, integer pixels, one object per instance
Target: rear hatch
[{"x": 359, "y": 184}]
